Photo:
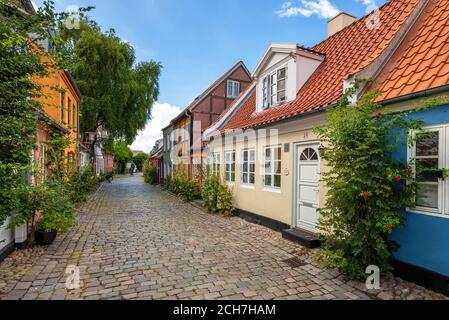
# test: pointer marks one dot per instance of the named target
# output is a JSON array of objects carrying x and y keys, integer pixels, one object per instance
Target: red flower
[
  {"x": 379, "y": 115},
  {"x": 366, "y": 195},
  {"x": 396, "y": 179},
  {"x": 409, "y": 170},
  {"x": 50, "y": 168},
  {"x": 78, "y": 167},
  {"x": 328, "y": 242},
  {"x": 389, "y": 226}
]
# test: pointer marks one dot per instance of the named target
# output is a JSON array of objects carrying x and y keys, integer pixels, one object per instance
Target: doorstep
[{"x": 304, "y": 238}]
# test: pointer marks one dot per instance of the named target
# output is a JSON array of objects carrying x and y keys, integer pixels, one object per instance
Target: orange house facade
[{"x": 61, "y": 101}]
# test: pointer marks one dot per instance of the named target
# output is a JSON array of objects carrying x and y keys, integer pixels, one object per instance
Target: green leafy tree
[
  {"x": 368, "y": 187},
  {"x": 118, "y": 93},
  {"x": 139, "y": 160},
  {"x": 122, "y": 155}
]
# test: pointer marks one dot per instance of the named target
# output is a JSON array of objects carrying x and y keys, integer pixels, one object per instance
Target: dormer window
[
  {"x": 274, "y": 88},
  {"x": 233, "y": 89}
]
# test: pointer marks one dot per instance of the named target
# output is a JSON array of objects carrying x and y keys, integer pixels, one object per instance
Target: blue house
[{"x": 419, "y": 69}]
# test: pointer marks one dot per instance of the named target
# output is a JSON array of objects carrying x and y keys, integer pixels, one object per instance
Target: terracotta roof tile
[
  {"x": 346, "y": 52},
  {"x": 421, "y": 62}
]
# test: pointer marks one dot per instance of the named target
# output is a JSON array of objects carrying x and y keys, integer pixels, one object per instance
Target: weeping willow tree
[{"x": 118, "y": 93}]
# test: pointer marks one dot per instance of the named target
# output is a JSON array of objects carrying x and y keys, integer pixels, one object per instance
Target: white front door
[{"x": 308, "y": 187}]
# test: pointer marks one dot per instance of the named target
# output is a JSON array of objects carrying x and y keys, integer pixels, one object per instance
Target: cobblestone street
[{"x": 134, "y": 241}]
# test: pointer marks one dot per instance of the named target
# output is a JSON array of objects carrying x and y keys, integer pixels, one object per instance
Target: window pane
[
  {"x": 428, "y": 196},
  {"x": 428, "y": 145},
  {"x": 233, "y": 177},
  {"x": 252, "y": 178},
  {"x": 278, "y": 154},
  {"x": 233, "y": 167},
  {"x": 245, "y": 167},
  {"x": 245, "y": 178},
  {"x": 268, "y": 154},
  {"x": 268, "y": 181},
  {"x": 282, "y": 73},
  {"x": 245, "y": 155},
  {"x": 252, "y": 156},
  {"x": 423, "y": 167},
  {"x": 268, "y": 168},
  {"x": 281, "y": 96},
  {"x": 281, "y": 85},
  {"x": 252, "y": 167},
  {"x": 277, "y": 167},
  {"x": 277, "y": 181}
]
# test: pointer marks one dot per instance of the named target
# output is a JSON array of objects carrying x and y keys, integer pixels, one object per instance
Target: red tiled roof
[
  {"x": 347, "y": 52},
  {"x": 422, "y": 61}
]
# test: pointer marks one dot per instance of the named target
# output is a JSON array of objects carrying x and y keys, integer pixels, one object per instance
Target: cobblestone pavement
[{"x": 134, "y": 241}]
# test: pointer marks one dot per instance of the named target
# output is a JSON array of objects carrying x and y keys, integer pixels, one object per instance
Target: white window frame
[
  {"x": 270, "y": 88},
  {"x": 230, "y": 160},
  {"x": 271, "y": 173},
  {"x": 233, "y": 88},
  {"x": 216, "y": 162},
  {"x": 248, "y": 162},
  {"x": 443, "y": 162}
]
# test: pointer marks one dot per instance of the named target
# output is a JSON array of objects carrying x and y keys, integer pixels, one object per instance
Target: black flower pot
[{"x": 45, "y": 238}]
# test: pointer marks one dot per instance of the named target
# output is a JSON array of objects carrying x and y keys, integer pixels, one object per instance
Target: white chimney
[{"x": 339, "y": 22}]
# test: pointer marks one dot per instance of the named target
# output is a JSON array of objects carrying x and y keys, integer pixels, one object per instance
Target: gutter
[{"x": 422, "y": 94}]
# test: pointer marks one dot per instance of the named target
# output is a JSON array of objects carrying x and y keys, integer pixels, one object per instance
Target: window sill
[
  {"x": 428, "y": 213},
  {"x": 273, "y": 190},
  {"x": 247, "y": 186}
]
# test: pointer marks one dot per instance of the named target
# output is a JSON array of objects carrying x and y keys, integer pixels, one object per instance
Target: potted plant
[{"x": 56, "y": 216}]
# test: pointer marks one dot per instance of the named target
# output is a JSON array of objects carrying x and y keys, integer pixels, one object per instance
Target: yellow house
[
  {"x": 265, "y": 147},
  {"x": 61, "y": 101}
]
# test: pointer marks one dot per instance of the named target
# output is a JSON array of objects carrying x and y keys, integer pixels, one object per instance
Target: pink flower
[
  {"x": 50, "y": 168},
  {"x": 379, "y": 115},
  {"x": 396, "y": 179},
  {"x": 328, "y": 242}
]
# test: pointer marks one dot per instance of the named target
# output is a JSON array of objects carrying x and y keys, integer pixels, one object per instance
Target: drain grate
[{"x": 294, "y": 262}]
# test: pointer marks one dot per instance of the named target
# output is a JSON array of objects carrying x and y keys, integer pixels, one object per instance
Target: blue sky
[{"x": 197, "y": 40}]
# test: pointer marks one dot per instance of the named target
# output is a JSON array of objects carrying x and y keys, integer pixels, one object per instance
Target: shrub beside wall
[
  {"x": 181, "y": 185},
  {"x": 217, "y": 197},
  {"x": 149, "y": 173}
]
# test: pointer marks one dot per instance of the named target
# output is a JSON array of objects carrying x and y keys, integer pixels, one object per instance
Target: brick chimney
[{"x": 339, "y": 22}]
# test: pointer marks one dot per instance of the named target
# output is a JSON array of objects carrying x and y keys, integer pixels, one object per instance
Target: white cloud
[
  {"x": 162, "y": 114},
  {"x": 371, "y": 5},
  {"x": 322, "y": 8}
]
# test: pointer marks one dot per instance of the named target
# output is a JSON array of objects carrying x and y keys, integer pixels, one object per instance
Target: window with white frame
[
  {"x": 274, "y": 88},
  {"x": 233, "y": 89},
  {"x": 216, "y": 163},
  {"x": 428, "y": 156},
  {"x": 272, "y": 167},
  {"x": 230, "y": 166},
  {"x": 248, "y": 167}
]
